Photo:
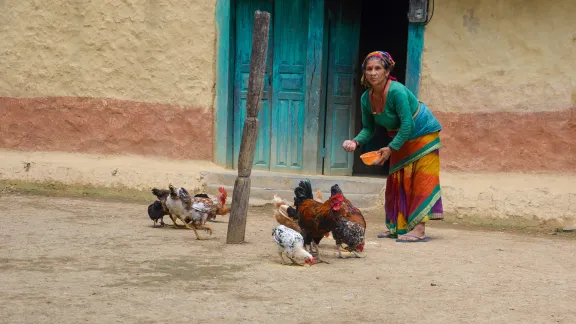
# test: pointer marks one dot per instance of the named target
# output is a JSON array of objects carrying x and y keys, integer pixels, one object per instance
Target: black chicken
[{"x": 156, "y": 212}]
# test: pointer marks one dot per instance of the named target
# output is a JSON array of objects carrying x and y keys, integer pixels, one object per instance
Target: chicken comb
[
  {"x": 339, "y": 197},
  {"x": 223, "y": 195}
]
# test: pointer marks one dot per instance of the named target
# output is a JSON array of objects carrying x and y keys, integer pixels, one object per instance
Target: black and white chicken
[
  {"x": 349, "y": 233},
  {"x": 291, "y": 243},
  {"x": 189, "y": 211}
]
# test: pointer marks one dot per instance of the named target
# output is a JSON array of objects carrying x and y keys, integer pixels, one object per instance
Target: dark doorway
[{"x": 384, "y": 27}]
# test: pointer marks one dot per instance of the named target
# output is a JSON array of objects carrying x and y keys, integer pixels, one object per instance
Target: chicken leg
[
  {"x": 174, "y": 221},
  {"x": 313, "y": 247},
  {"x": 317, "y": 255},
  {"x": 281, "y": 254},
  {"x": 193, "y": 227},
  {"x": 339, "y": 248},
  {"x": 206, "y": 228},
  {"x": 294, "y": 261},
  {"x": 162, "y": 224},
  {"x": 349, "y": 250}
]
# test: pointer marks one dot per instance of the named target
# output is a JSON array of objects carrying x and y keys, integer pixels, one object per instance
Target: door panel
[
  {"x": 344, "y": 34},
  {"x": 289, "y": 75},
  {"x": 244, "y": 24}
]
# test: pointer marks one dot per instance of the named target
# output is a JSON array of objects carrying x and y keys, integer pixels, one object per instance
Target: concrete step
[
  {"x": 263, "y": 196},
  {"x": 282, "y": 181},
  {"x": 362, "y": 191}
]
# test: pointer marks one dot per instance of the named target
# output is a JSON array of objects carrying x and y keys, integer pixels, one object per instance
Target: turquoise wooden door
[
  {"x": 281, "y": 134},
  {"x": 244, "y": 23},
  {"x": 289, "y": 75},
  {"x": 343, "y": 75}
]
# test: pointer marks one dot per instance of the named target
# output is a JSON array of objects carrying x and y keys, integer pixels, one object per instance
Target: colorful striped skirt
[{"x": 413, "y": 185}]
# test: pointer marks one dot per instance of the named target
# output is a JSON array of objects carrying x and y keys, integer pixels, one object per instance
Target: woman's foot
[
  {"x": 418, "y": 234},
  {"x": 385, "y": 234}
]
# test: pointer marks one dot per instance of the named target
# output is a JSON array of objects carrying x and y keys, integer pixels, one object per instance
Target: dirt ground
[{"x": 66, "y": 260}]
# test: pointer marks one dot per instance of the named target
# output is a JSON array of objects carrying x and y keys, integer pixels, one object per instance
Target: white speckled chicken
[
  {"x": 291, "y": 243},
  {"x": 191, "y": 212}
]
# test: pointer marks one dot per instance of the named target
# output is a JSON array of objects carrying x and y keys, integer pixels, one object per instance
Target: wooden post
[{"x": 241, "y": 194}]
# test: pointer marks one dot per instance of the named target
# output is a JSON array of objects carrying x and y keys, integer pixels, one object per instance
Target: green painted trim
[
  {"x": 414, "y": 60},
  {"x": 432, "y": 146},
  {"x": 313, "y": 87},
  {"x": 323, "y": 98},
  {"x": 424, "y": 209},
  {"x": 223, "y": 112}
]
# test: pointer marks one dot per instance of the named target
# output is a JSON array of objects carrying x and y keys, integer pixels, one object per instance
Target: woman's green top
[{"x": 400, "y": 106}]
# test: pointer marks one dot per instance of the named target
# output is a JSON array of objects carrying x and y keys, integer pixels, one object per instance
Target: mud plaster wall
[
  {"x": 154, "y": 51},
  {"x": 500, "y": 76},
  {"x": 108, "y": 76},
  {"x": 495, "y": 56}
]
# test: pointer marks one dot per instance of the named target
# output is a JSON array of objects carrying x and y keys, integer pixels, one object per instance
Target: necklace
[{"x": 378, "y": 108}]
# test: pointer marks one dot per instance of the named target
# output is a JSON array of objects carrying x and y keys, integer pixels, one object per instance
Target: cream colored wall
[
  {"x": 154, "y": 51},
  {"x": 495, "y": 55}
]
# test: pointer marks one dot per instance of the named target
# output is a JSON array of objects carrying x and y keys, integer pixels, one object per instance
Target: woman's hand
[
  {"x": 384, "y": 155},
  {"x": 349, "y": 145}
]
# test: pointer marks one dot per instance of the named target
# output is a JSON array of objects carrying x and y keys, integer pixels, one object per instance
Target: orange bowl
[{"x": 370, "y": 157}]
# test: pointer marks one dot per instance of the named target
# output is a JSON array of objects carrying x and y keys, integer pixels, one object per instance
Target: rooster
[
  {"x": 217, "y": 204},
  {"x": 192, "y": 213},
  {"x": 314, "y": 218},
  {"x": 156, "y": 212},
  {"x": 318, "y": 198},
  {"x": 350, "y": 212},
  {"x": 291, "y": 243},
  {"x": 352, "y": 232}
]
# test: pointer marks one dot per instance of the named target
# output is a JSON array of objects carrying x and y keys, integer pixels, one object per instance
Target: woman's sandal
[
  {"x": 417, "y": 239},
  {"x": 381, "y": 235}
]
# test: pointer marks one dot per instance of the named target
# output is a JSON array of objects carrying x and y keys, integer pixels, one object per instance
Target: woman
[{"x": 413, "y": 184}]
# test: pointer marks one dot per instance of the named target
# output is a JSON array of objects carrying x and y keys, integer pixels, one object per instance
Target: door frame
[{"x": 314, "y": 131}]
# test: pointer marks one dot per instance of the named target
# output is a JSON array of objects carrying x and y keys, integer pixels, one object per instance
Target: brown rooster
[
  {"x": 352, "y": 228},
  {"x": 351, "y": 212},
  {"x": 314, "y": 218},
  {"x": 217, "y": 204}
]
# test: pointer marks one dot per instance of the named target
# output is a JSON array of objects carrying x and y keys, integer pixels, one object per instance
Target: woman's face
[{"x": 375, "y": 72}]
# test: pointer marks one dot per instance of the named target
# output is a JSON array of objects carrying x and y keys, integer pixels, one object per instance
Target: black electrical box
[{"x": 418, "y": 11}]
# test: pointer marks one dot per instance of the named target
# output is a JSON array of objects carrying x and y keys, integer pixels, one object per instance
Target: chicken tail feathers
[
  {"x": 184, "y": 193},
  {"x": 303, "y": 192},
  {"x": 160, "y": 193}
]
